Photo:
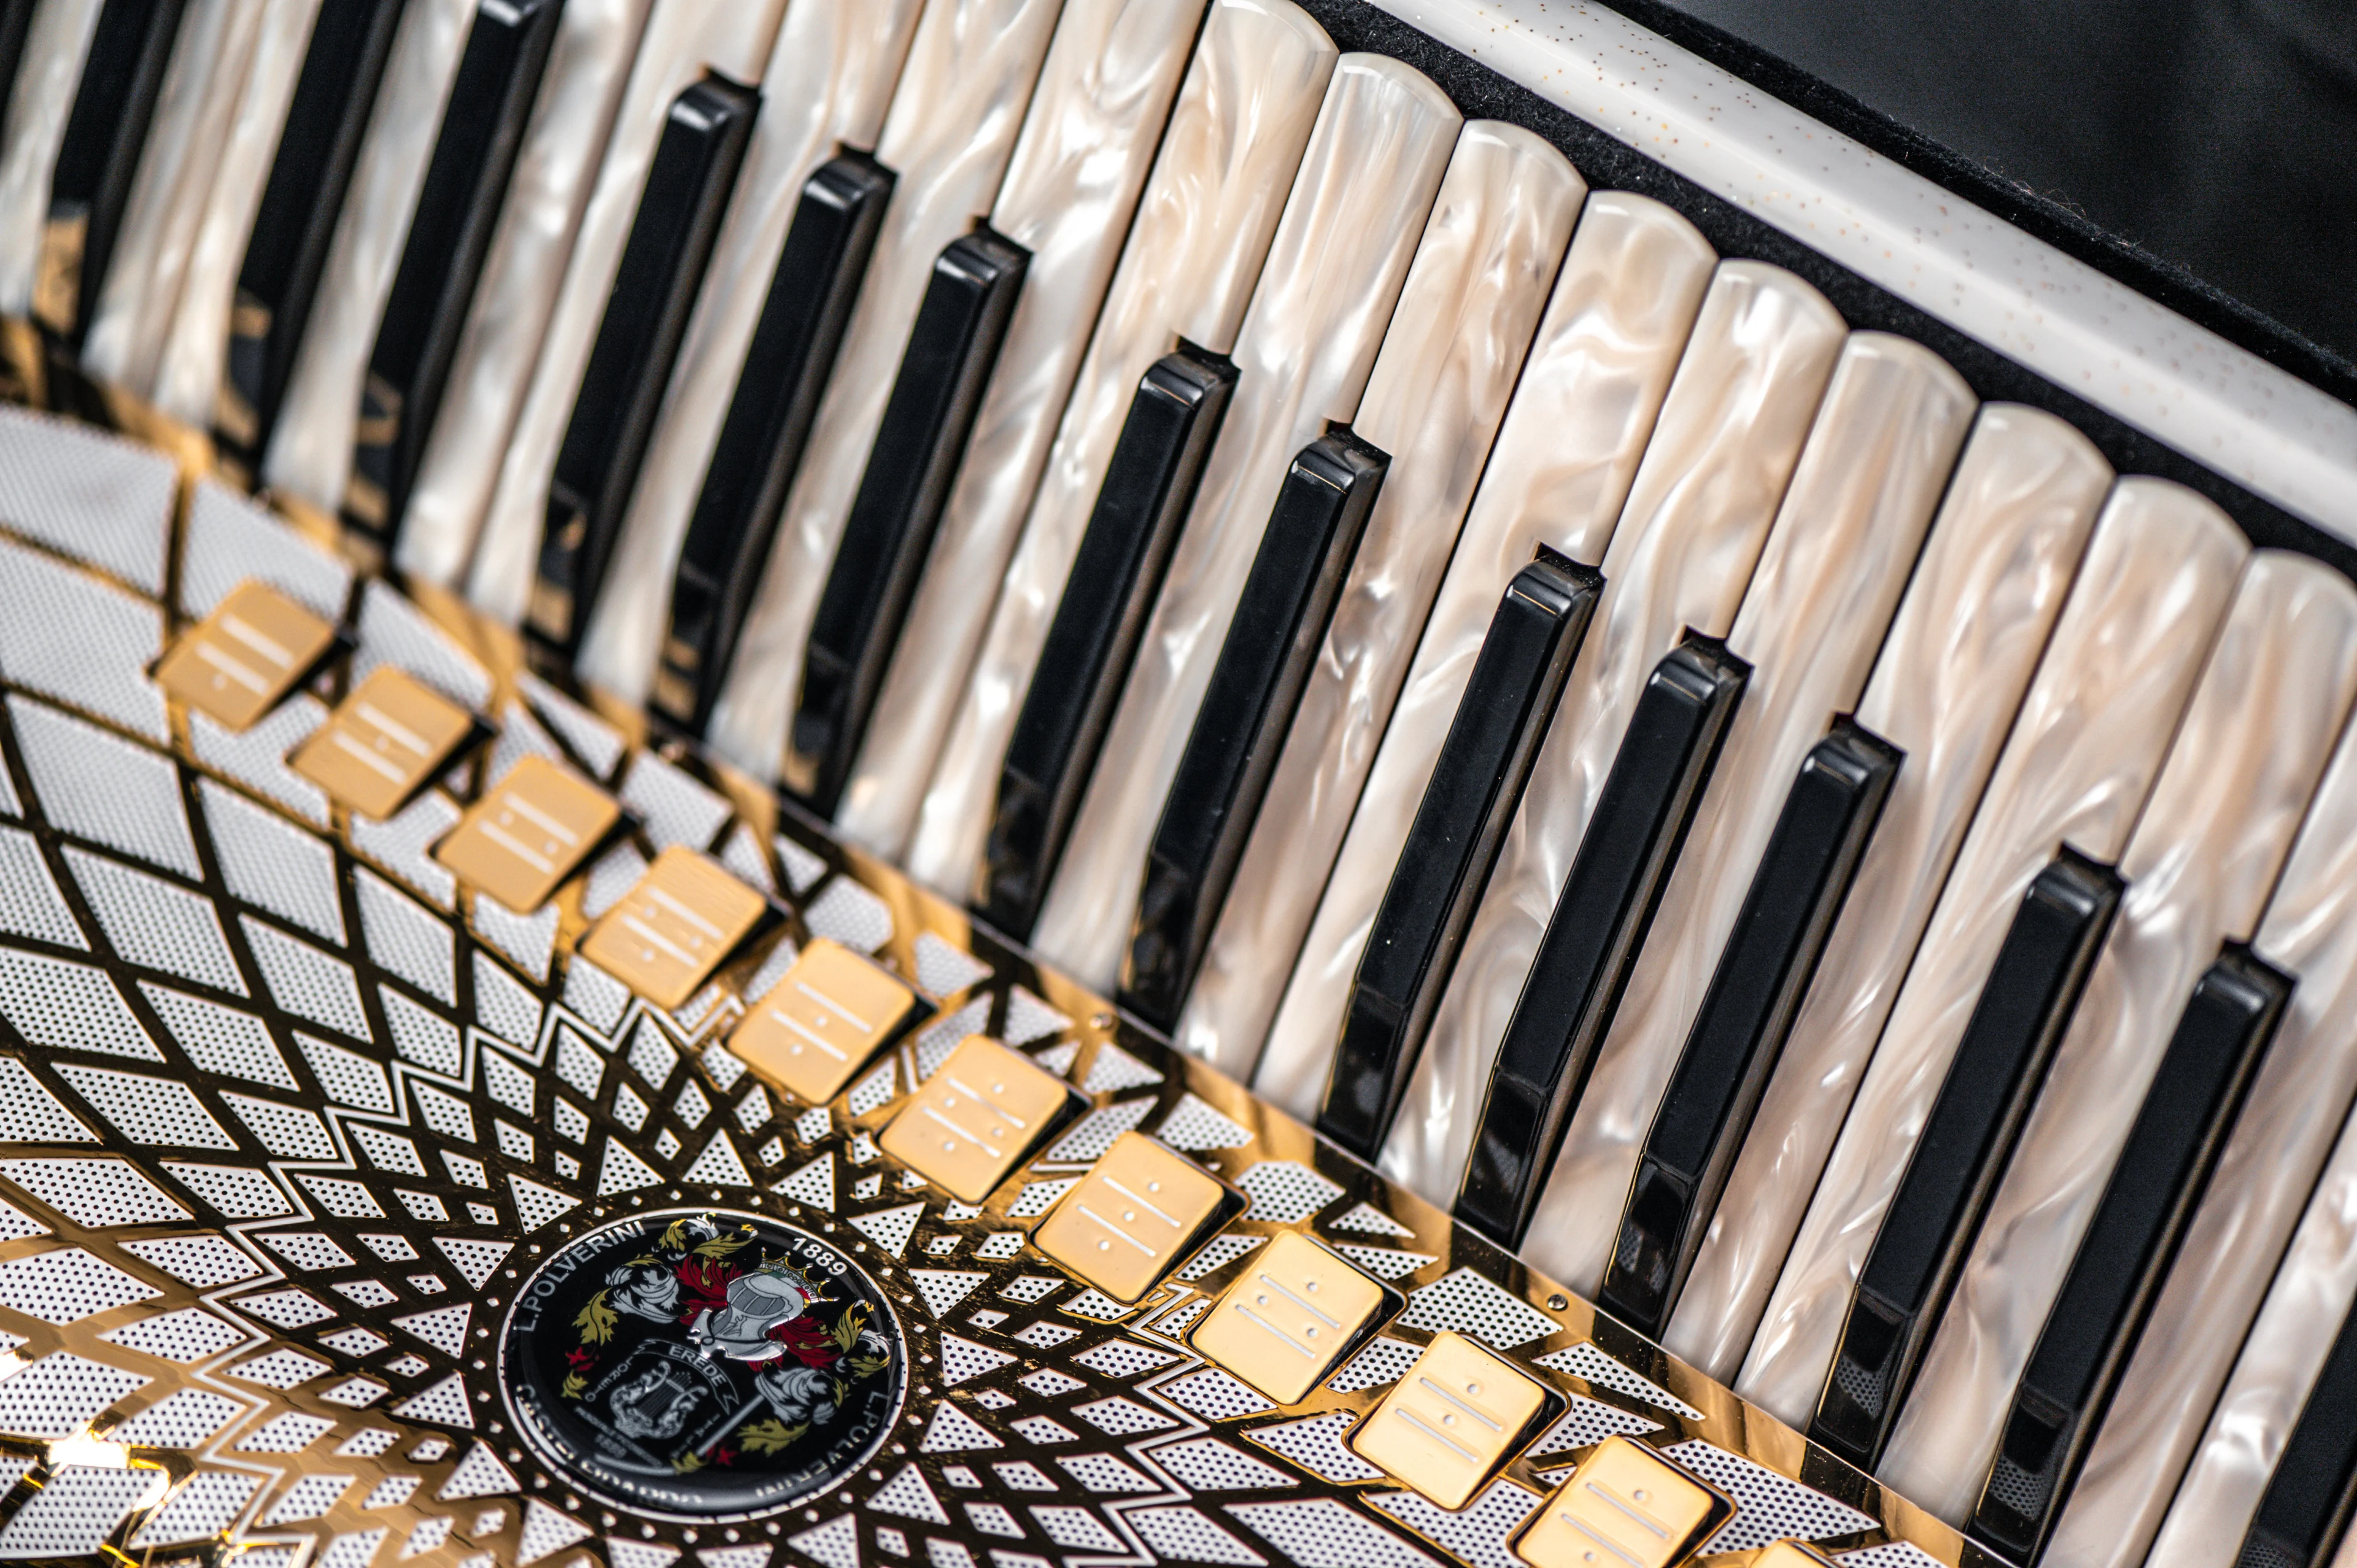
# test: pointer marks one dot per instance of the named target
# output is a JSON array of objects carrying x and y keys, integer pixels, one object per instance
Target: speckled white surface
[
  {"x": 683, "y": 38},
  {"x": 310, "y": 452},
  {"x": 2248, "y": 756},
  {"x": 1560, "y": 470},
  {"x": 2096, "y": 338},
  {"x": 55, "y": 45},
  {"x": 194, "y": 117},
  {"x": 951, "y": 130},
  {"x": 556, "y": 167},
  {"x": 1944, "y": 690},
  {"x": 1202, "y": 230},
  {"x": 1689, "y": 535},
  {"x": 2081, "y": 758},
  {"x": 1813, "y": 620},
  {"x": 196, "y": 341},
  {"x": 1449, "y": 361},
  {"x": 1306, "y": 347},
  {"x": 828, "y": 82},
  {"x": 2265, "y": 1176},
  {"x": 1071, "y": 187}
]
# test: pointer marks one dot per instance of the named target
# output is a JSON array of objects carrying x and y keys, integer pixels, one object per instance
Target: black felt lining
[{"x": 1609, "y": 164}]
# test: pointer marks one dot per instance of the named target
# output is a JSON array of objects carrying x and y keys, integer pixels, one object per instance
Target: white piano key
[
  {"x": 194, "y": 117},
  {"x": 1813, "y": 619},
  {"x": 1307, "y": 345},
  {"x": 1558, "y": 474},
  {"x": 952, "y": 126},
  {"x": 829, "y": 81},
  {"x": 190, "y": 357},
  {"x": 2199, "y": 868},
  {"x": 1456, "y": 347},
  {"x": 1070, "y": 189},
  {"x": 311, "y": 449},
  {"x": 55, "y": 46},
  {"x": 2077, "y": 766},
  {"x": 1945, "y": 689},
  {"x": 2265, "y": 1176},
  {"x": 684, "y": 38},
  {"x": 1698, "y": 512},
  {"x": 589, "y": 69},
  {"x": 1202, "y": 231},
  {"x": 2309, "y": 1294}
]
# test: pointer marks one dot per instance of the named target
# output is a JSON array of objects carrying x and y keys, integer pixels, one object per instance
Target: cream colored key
[
  {"x": 2241, "y": 769},
  {"x": 242, "y": 660},
  {"x": 1945, "y": 689},
  {"x": 1450, "y": 360},
  {"x": 822, "y": 1022},
  {"x": 310, "y": 452},
  {"x": 1628, "y": 1506},
  {"x": 828, "y": 82},
  {"x": 55, "y": 47},
  {"x": 970, "y": 73},
  {"x": 527, "y": 833},
  {"x": 1194, "y": 252},
  {"x": 681, "y": 40},
  {"x": 671, "y": 931},
  {"x": 1450, "y": 1422},
  {"x": 1138, "y": 1212},
  {"x": 1288, "y": 1317},
  {"x": 2077, "y": 766},
  {"x": 1827, "y": 587},
  {"x": 383, "y": 743},
  {"x": 975, "y": 1119},
  {"x": 1698, "y": 512},
  {"x": 1309, "y": 343},
  {"x": 557, "y": 169}
]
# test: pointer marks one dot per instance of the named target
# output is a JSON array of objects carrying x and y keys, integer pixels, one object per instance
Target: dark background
[{"x": 2216, "y": 137}]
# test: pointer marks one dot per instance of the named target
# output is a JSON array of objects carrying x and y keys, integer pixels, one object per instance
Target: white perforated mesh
[
  {"x": 1471, "y": 1302},
  {"x": 1476, "y": 1533},
  {"x": 1207, "y": 1465},
  {"x": 406, "y": 940},
  {"x": 1768, "y": 1507},
  {"x": 271, "y": 864},
  {"x": 284, "y": 1308},
  {"x": 1195, "y": 1126},
  {"x": 348, "y": 1077},
  {"x": 1218, "y": 1254},
  {"x": 256, "y": 758},
  {"x": 1383, "y": 1361},
  {"x": 1112, "y": 1069},
  {"x": 305, "y": 981},
  {"x": 230, "y": 539},
  {"x": 159, "y": 1112},
  {"x": 1590, "y": 1421},
  {"x": 74, "y": 1514},
  {"x": 203, "y": 1261},
  {"x": 100, "y": 1194},
  {"x": 1123, "y": 1358},
  {"x": 88, "y": 494},
  {"x": 1094, "y": 1134},
  {"x": 69, "y": 637},
  {"x": 945, "y": 1035},
  {"x": 180, "y": 1420},
  {"x": 400, "y": 844},
  {"x": 1076, "y": 1528},
  {"x": 288, "y": 1132},
  {"x": 850, "y": 913},
  {"x": 1384, "y": 1262},
  {"x": 32, "y": 1113},
  {"x": 504, "y": 1007},
  {"x": 394, "y": 631},
  {"x": 1591, "y": 1365},
  {"x": 31, "y": 905},
  {"x": 421, "y": 1035},
  {"x": 68, "y": 1285},
  {"x": 101, "y": 787},
  {"x": 239, "y": 1193},
  {"x": 207, "y": 1505},
  {"x": 677, "y": 810},
  {"x": 157, "y": 924},
  {"x": 1184, "y": 1535},
  {"x": 1324, "y": 1533},
  {"x": 1315, "y": 1443},
  {"x": 527, "y": 941},
  {"x": 593, "y": 740},
  {"x": 220, "y": 1040},
  {"x": 1213, "y": 1395},
  {"x": 1283, "y": 1192},
  {"x": 61, "y": 1393}
]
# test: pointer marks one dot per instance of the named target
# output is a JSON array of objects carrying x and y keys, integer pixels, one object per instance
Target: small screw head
[{"x": 1556, "y": 1303}]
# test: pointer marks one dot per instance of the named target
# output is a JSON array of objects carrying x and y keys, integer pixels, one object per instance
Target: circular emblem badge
[{"x": 703, "y": 1365}]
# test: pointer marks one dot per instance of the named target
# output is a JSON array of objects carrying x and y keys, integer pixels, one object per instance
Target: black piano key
[
  {"x": 919, "y": 441},
  {"x": 2305, "y": 1511},
  {"x": 491, "y": 97},
  {"x": 1452, "y": 843},
  {"x": 1599, "y": 923},
  {"x": 759, "y": 449},
  {"x": 296, "y": 221},
  {"x": 1280, "y": 622},
  {"x": 1149, "y": 487},
  {"x": 688, "y": 182},
  {"x": 106, "y": 131},
  {"x": 2180, "y": 1130},
  {"x": 1795, "y": 896},
  {"x": 2025, "y": 1007}
]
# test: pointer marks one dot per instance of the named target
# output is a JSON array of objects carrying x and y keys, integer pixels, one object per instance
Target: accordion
[{"x": 1063, "y": 783}]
